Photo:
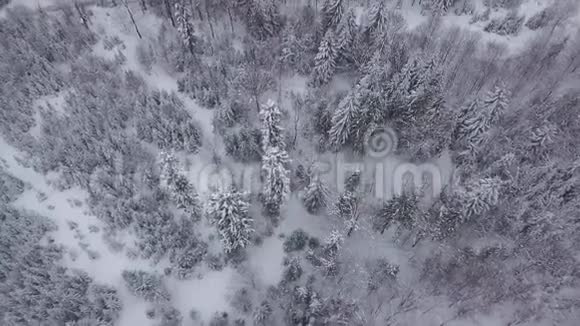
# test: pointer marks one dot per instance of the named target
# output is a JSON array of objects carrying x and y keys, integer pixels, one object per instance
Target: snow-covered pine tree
[
  {"x": 495, "y": 104},
  {"x": 325, "y": 60},
  {"x": 542, "y": 136},
  {"x": 261, "y": 20},
  {"x": 228, "y": 211},
  {"x": 244, "y": 145},
  {"x": 381, "y": 272},
  {"x": 262, "y": 314},
  {"x": 147, "y": 286},
  {"x": 272, "y": 18},
  {"x": 330, "y": 251},
  {"x": 402, "y": 209},
  {"x": 377, "y": 20},
  {"x": 169, "y": 168},
  {"x": 440, "y": 6},
  {"x": 346, "y": 35},
  {"x": 180, "y": 189},
  {"x": 272, "y": 131},
  {"x": 183, "y": 21},
  {"x": 407, "y": 82},
  {"x": 352, "y": 182},
  {"x": 315, "y": 195},
  {"x": 331, "y": 13},
  {"x": 276, "y": 181},
  {"x": 478, "y": 117},
  {"x": 481, "y": 196},
  {"x": 334, "y": 241},
  {"x": 346, "y": 205},
  {"x": 185, "y": 196},
  {"x": 471, "y": 125},
  {"x": 343, "y": 121}
]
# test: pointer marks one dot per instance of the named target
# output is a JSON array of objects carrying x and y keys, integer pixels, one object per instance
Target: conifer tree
[
  {"x": 262, "y": 19},
  {"x": 479, "y": 116},
  {"x": 147, "y": 286},
  {"x": 276, "y": 179},
  {"x": 331, "y": 13},
  {"x": 315, "y": 195},
  {"x": 343, "y": 121},
  {"x": 272, "y": 131},
  {"x": 330, "y": 253},
  {"x": 180, "y": 189},
  {"x": 440, "y": 6},
  {"x": 495, "y": 104},
  {"x": 470, "y": 124},
  {"x": 228, "y": 211},
  {"x": 183, "y": 20},
  {"x": 169, "y": 168},
  {"x": 378, "y": 20},
  {"x": 325, "y": 61},
  {"x": 273, "y": 20},
  {"x": 402, "y": 209},
  {"x": 346, "y": 35},
  {"x": 481, "y": 196}
]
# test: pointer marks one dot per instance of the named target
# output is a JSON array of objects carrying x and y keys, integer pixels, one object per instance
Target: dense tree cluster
[
  {"x": 228, "y": 211},
  {"x": 146, "y": 285},
  {"x": 30, "y": 272},
  {"x": 502, "y": 232},
  {"x": 164, "y": 122}
]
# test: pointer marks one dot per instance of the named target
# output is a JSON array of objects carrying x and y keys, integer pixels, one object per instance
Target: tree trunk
[
  {"x": 280, "y": 84},
  {"x": 82, "y": 14},
  {"x": 169, "y": 12},
  {"x": 133, "y": 19},
  {"x": 195, "y": 8},
  {"x": 385, "y": 227},
  {"x": 231, "y": 19},
  {"x": 209, "y": 20},
  {"x": 257, "y": 102}
]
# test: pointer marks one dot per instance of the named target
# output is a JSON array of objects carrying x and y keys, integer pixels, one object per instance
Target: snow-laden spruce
[
  {"x": 276, "y": 179},
  {"x": 332, "y": 13},
  {"x": 228, "y": 211},
  {"x": 315, "y": 196},
  {"x": 325, "y": 60},
  {"x": 180, "y": 189},
  {"x": 271, "y": 126}
]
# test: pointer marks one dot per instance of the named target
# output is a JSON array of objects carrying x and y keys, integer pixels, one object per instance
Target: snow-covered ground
[{"x": 82, "y": 233}]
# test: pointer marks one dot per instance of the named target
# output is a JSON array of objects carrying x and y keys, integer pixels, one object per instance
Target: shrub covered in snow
[
  {"x": 296, "y": 241},
  {"x": 541, "y": 19},
  {"x": 146, "y": 285},
  {"x": 511, "y": 24}
]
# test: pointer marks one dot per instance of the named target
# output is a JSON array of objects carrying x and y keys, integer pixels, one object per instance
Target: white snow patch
[
  {"x": 80, "y": 243},
  {"x": 206, "y": 295},
  {"x": 266, "y": 260}
]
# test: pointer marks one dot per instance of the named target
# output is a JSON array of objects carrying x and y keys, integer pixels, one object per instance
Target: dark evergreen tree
[
  {"x": 346, "y": 32},
  {"x": 272, "y": 131},
  {"x": 331, "y": 13},
  {"x": 315, "y": 196},
  {"x": 325, "y": 60},
  {"x": 146, "y": 285},
  {"x": 276, "y": 181},
  {"x": 184, "y": 22},
  {"x": 377, "y": 21},
  {"x": 402, "y": 210}
]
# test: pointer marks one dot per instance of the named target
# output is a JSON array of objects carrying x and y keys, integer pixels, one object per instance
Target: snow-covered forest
[{"x": 289, "y": 162}]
